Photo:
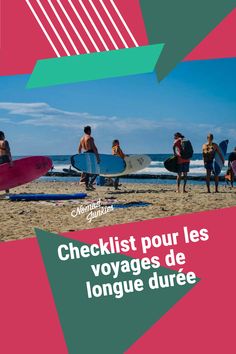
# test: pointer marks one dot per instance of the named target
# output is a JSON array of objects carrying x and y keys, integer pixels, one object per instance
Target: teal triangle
[
  {"x": 104, "y": 325},
  {"x": 181, "y": 25}
]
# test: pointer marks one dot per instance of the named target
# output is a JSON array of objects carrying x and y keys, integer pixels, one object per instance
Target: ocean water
[{"x": 156, "y": 167}]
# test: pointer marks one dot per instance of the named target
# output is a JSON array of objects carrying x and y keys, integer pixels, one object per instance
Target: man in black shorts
[{"x": 87, "y": 145}]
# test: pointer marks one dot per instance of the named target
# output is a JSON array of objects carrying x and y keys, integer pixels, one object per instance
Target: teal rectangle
[{"x": 95, "y": 66}]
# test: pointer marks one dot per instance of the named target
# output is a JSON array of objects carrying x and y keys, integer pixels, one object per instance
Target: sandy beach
[{"x": 20, "y": 218}]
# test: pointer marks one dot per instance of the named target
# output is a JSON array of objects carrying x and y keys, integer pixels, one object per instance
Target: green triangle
[
  {"x": 181, "y": 25},
  {"x": 101, "y": 325}
]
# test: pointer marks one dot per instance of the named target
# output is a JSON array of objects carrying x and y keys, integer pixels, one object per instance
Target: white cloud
[
  {"x": 5, "y": 120},
  {"x": 42, "y": 114},
  {"x": 137, "y": 133}
]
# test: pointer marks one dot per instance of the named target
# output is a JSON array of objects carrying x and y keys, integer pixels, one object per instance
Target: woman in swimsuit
[
  {"x": 5, "y": 152},
  {"x": 208, "y": 152},
  {"x": 116, "y": 150}
]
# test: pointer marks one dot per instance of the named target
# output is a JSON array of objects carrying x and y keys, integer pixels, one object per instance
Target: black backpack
[{"x": 186, "y": 151}]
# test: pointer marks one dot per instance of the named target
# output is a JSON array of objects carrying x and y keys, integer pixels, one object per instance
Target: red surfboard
[{"x": 23, "y": 171}]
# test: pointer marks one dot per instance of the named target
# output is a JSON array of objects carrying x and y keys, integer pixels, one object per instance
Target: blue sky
[{"x": 196, "y": 98}]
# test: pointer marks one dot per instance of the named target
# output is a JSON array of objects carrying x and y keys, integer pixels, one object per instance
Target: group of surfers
[
  {"x": 209, "y": 150},
  {"x": 87, "y": 145}
]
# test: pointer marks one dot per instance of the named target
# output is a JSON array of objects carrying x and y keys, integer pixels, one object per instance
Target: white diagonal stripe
[
  {"x": 63, "y": 26},
  {"x": 124, "y": 23},
  {"x": 73, "y": 26},
  {"x": 84, "y": 26},
  {"x": 114, "y": 24},
  {"x": 53, "y": 27},
  {"x": 103, "y": 24},
  {"x": 43, "y": 28},
  {"x": 93, "y": 24}
]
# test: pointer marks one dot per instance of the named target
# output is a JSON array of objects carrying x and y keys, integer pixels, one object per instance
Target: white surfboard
[{"x": 134, "y": 163}]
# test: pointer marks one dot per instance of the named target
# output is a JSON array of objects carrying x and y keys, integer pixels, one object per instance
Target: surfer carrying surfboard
[
  {"x": 87, "y": 145},
  {"x": 116, "y": 150},
  {"x": 183, "y": 151},
  {"x": 209, "y": 150},
  {"x": 5, "y": 152}
]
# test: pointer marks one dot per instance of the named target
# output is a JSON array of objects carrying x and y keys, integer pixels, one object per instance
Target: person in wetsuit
[
  {"x": 86, "y": 145},
  {"x": 5, "y": 152}
]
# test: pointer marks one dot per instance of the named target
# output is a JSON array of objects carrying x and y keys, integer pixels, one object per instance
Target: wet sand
[{"x": 18, "y": 219}]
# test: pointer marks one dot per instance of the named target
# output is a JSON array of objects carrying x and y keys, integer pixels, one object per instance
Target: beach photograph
[{"x": 94, "y": 154}]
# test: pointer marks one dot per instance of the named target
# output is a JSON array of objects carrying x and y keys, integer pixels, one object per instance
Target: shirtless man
[
  {"x": 208, "y": 152},
  {"x": 87, "y": 145},
  {"x": 5, "y": 152}
]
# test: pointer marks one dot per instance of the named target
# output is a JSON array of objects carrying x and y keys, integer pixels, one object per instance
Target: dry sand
[{"x": 18, "y": 219}]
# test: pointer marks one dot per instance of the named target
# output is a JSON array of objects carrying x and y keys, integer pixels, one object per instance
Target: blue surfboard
[
  {"x": 218, "y": 163},
  {"x": 37, "y": 197},
  {"x": 88, "y": 163}
]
